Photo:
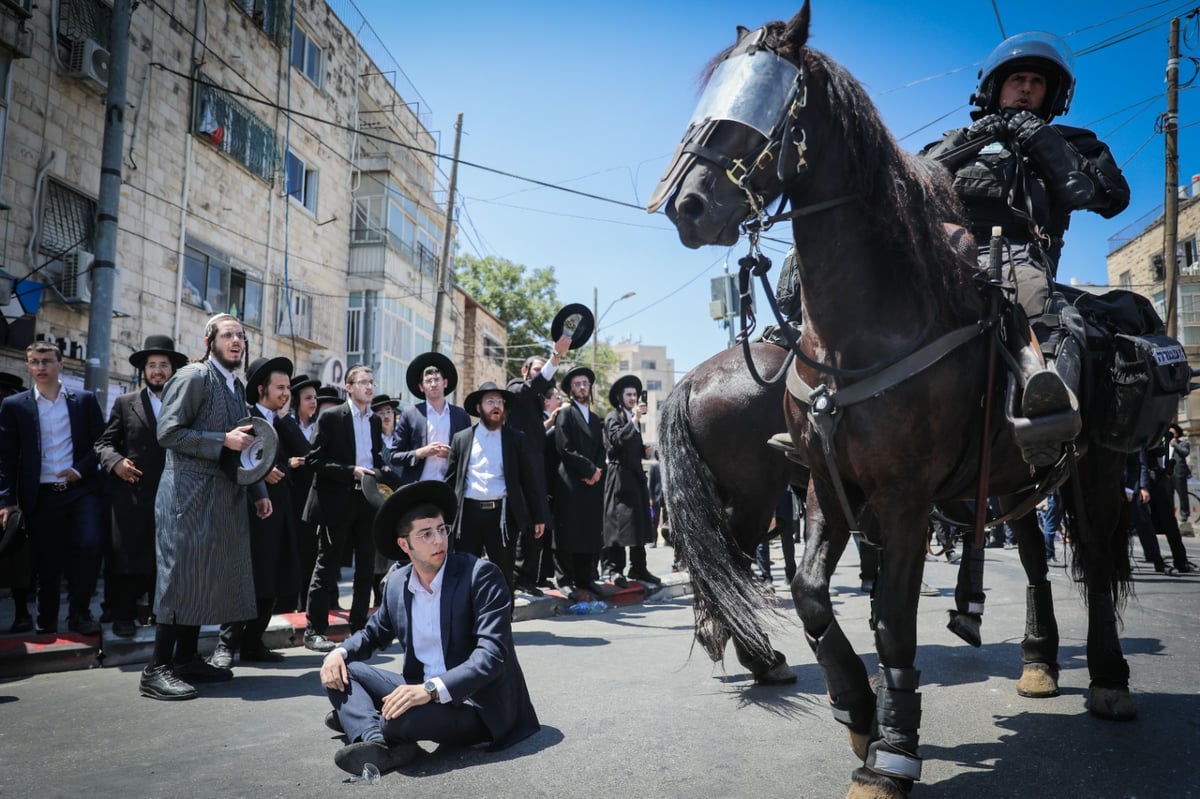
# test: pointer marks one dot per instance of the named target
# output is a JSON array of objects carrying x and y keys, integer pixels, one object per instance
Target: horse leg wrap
[
  {"x": 898, "y": 719},
  {"x": 1040, "y": 644},
  {"x": 850, "y": 695}
]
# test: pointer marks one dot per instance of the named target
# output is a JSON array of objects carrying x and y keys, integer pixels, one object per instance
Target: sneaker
[
  {"x": 198, "y": 670},
  {"x": 352, "y": 758},
  {"x": 160, "y": 682}
]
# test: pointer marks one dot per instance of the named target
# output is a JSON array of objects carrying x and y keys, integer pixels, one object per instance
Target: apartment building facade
[{"x": 657, "y": 373}]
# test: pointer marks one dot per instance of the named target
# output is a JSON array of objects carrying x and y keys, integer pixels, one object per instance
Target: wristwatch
[{"x": 431, "y": 689}]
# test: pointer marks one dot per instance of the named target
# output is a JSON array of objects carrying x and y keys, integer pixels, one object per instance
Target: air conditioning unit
[
  {"x": 77, "y": 276},
  {"x": 89, "y": 62}
]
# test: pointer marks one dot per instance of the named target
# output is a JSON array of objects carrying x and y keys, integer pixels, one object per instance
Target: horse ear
[
  {"x": 796, "y": 32},
  {"x": 742, "y": 30}
]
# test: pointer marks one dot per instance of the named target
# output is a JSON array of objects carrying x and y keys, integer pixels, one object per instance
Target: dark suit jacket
[
  {"x": 132, "y": 432},
  {"x": 481, "y": 663},
  {"x": 578, "y": 507},
  {"x": 332, "y": 460},
  {"x": 526, "y": 504},
  {"x": 274, "y": 550},
  {"x": 410, "y": 430},
  {"x": 21, "y": 445},
  {"x": 525, "y": 413}
]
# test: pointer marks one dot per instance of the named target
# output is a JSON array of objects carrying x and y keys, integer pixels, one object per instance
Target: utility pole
[
  {"x": 99, "y": 341},
  {"x": 1171, "y": 203},
  {"x": 443, "y": 271},
  {"x": 596, "y": 324}
]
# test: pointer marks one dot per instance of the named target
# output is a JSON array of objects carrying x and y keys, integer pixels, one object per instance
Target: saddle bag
[{"x": 1147, "y": 374}]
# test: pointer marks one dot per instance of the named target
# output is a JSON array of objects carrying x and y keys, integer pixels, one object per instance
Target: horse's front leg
[
  {"x": 892, "y": 764},
  {"x": 1039, "y": 647},
  {"x": 966, "y": 620},
  {"x": 825, "y": 538}
]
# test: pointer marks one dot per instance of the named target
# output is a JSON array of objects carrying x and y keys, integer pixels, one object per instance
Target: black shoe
[
  {"x": 643, "y": 576},
  {"x": 21, "y": 624},
  {"x": 260, "y": 654},
  {"x": 532, "y": 590},
  {"x": 318, "y": 642},
  {"x": 618, "y": 580},
  {"x": 83, "y": 623},
  {"x": 124, "y": 628},
  {"x": 1163, "y": 568},
  {"x": 197, "y": 670},
  {"x": 352, "y": 758},
  {"x": 1187, "y": 567},
  {"x": 333, "y": 722},
  {"x": 159, "y": 682},
  {"x": 222, "y": 657}
]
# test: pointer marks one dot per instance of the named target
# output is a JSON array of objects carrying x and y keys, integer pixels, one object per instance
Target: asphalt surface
[{"x": 629, "y": 708}]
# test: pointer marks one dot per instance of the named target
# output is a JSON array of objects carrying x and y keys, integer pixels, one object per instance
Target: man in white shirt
[
  {"x": 426, "y": 428},
  {"x": 461, "y": 683}
]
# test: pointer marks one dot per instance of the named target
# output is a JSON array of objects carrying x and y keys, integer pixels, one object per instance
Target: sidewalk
[{"x": 27, "y": 654}]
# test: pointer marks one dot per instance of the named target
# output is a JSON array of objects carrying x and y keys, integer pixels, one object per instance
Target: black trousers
[
  {"x": 248, "y": 634},
  {"x": 481, "y": 532},
  {"x": 354, "y": 532},
  {"x": 1162, "y": 514},
  {"x": 123, "y": 591},
  {"x": 614, "y": 562}
]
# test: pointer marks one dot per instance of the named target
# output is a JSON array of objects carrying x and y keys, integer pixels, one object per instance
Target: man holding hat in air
[
  {"x": 129, "y": 452},
  {"x": 461, "y": 683}
]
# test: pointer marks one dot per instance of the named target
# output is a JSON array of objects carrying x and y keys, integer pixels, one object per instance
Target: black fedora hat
[
  {"x": 576, "y": 321},
  {"x": 565, "y": 385},
  {"x": 433, "y": 492},
  {"x": 425, "y": 360},
  {"x": 260, "y": 371},
  {"x": 384, "y": 401},
  {"x": 618, "y": 388},
  {"x": 158, "y": 345},
  {"x": 471, "y": 403},
  {"x": 255, "y": 461},
  {"x": 304, "y": 381},
  {"x": 328, "y": 395}
]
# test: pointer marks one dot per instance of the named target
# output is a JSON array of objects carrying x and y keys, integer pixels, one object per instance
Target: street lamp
[{"x": 600, "y": 317}]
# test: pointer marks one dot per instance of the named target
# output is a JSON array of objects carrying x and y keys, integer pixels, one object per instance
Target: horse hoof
[
  {"x": 1038, "y": 681},
  {"x": 865, "y": 784},
  {"x": 967, "y": 627},
  {"x": 859, "y": 741},
  {"x": 1113, "y": 704},
  {"x": 780, "y": 674}
]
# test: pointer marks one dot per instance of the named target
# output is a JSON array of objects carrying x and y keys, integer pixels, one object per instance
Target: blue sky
[{"x": 596, "y": 96}]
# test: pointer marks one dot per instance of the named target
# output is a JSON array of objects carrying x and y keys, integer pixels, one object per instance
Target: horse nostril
[{"x": 690, "y": 206}]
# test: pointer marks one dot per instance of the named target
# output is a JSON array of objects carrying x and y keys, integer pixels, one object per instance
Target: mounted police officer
[{"x": 1014, "y": 170}]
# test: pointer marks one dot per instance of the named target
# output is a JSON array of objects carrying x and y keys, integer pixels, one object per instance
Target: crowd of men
[{"x": 554, "y": 493}]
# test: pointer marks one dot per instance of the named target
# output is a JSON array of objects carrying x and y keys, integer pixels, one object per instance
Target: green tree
[{"x": 524, "y": 299}]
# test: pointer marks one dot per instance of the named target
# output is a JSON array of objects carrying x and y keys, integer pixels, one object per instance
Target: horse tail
[
  {"x": 1099, "y": 541},
  {"x": 727, "y": 601}
]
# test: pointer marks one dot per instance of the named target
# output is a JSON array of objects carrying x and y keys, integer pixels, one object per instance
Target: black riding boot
[{"x": 1049, "y": 413}]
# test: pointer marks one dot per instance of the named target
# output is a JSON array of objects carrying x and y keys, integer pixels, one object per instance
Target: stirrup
[
  {"x": 782, "y": 442},
  {"x": 1045, "y": 393},
  {"x": 1041, "y": 439}
]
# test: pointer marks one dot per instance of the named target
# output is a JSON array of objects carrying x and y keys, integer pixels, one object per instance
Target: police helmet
[{"x": 1036, "y": 51}]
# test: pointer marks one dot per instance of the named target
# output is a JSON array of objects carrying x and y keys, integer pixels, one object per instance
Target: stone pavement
[{"x": 26, "y": 654}]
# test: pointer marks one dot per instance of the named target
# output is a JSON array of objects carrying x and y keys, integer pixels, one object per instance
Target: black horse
[
  {"x": 880, "y": 280},
  {"x": 722, "y": 484}
]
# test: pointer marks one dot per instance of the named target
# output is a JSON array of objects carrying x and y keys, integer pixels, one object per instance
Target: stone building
[{"x": 275, "y": 166}]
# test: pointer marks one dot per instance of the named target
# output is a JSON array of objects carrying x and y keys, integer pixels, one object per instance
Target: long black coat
[
  {"x": 132, "y": 432},
  {"x": 578, "y": 507},
  {"x": 274, "y": 541},
  {"x": 626, "y": 494}
]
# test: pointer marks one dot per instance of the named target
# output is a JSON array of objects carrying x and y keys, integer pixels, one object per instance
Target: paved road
[{"x": 629, "y": 709}]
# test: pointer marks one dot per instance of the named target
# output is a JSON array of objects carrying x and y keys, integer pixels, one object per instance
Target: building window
[
  {"x": 654, "y": 385},
  {"x": 493, "y": 350},
  {"x": 1125, "y": 280},
  {"x": 235, "y": 130},
  {"x": 354, "y": 326},
  {"x": 1189, "y": 314},
  {"x": 211, "y": 282},
  {"x": 265, "y": 13},
  {"x": 246, "y": 298},
  {"x": 79, "y": 20},
  {"x": 68, "y": 220},
  {"x": 295, "y": 314},
  {"x": 301, "y": 182},
  {"x": 307, "y": 56},
  {"x": 623, "y": 366},
  {"x": 650, "y": 365},
  {"x": 1189, "y": 263}
]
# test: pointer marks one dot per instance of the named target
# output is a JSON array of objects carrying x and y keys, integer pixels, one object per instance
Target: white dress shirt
[
  {"x": 228, "y": 375},
  {"x": 54, "y": 421},
  {"x": 427, "y": 629},
  {"x": 485, "y": 469},
  {"x": 362, "y": 435},
  {"x": 437, "y": 431}
]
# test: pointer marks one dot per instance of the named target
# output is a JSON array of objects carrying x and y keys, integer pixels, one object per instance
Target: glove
[
  {"x": 1024, "y": 124},
  {"x": 991, "y": 126}
]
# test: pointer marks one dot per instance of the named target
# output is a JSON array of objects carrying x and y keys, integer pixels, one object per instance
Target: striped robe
[{"x": 204, "y": 569}]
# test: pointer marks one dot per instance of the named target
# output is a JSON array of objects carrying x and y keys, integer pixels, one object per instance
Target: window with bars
[
  {"x": 493, "y": 350},
  {"x": 68, "y": 220},
  {"x": 235, "y": 130},
  {"x": 266, "y": 14},
  {"x": 354, "y": 326},
  {"x": 84, "y": 19},
  {"x": 294, "y": 317}
]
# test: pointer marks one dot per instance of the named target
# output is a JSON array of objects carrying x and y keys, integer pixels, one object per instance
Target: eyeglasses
[
  {"x": 492, "y": 402},
  {"x": 429, "y": 536},
  {"x": 230, "y": 334},
  {"x": 363, "y": 383},
  {"x": 38, "y": 364}
]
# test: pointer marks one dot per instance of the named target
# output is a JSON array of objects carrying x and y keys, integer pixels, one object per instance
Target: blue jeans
[{"x": 1051, "y": 522}]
